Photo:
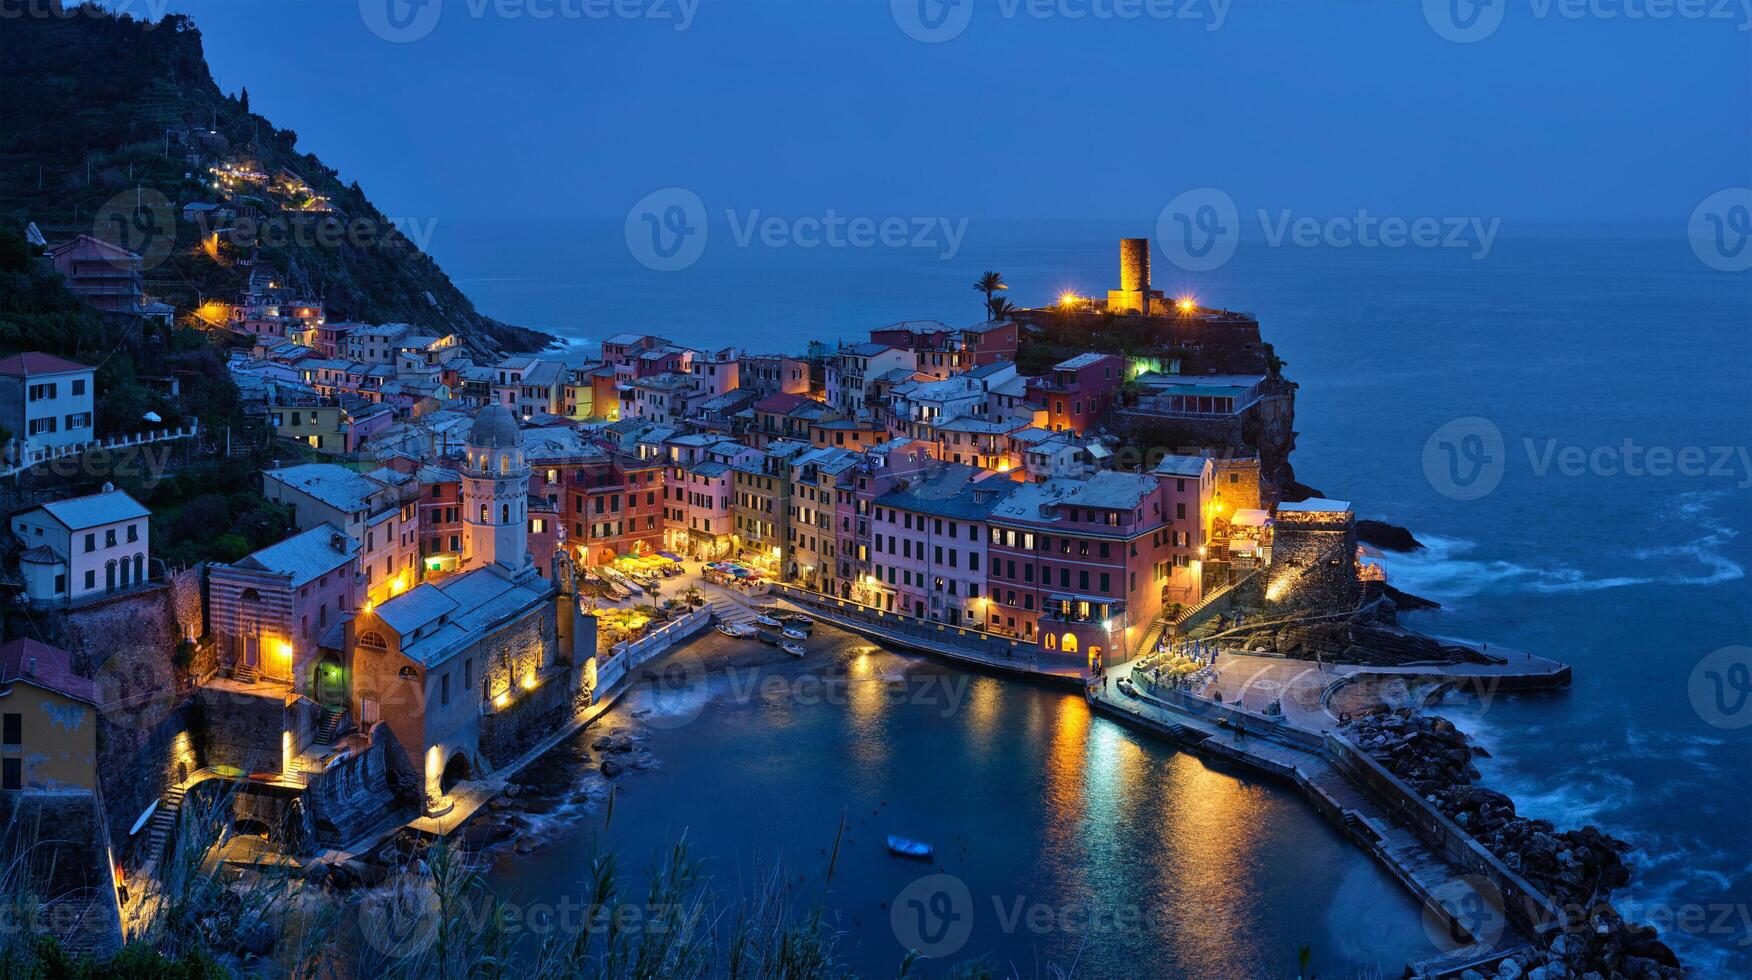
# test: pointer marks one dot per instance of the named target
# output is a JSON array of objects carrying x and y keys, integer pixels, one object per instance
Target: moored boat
[
  {"x": 792, "y": 647},
  {"x": 907, "y": 847},
  {"x": 792, "y": 633},
  {"x": 769, "y": 622}
]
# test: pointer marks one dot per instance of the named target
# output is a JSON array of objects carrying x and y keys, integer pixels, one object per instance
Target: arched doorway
[
  {"x": 455, "y": 771},
  {"x": 330, "y": 680}
]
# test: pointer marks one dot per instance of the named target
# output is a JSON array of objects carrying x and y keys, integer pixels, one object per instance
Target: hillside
[{"x": 94, "y": 106}]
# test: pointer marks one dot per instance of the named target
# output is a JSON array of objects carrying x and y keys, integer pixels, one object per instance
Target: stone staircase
[
  {"x": 329, "y": 726},
  {"x": 245, "y": 673},
  {"x": 728, "y": 610},
  {"x": 163, "y": 824}
]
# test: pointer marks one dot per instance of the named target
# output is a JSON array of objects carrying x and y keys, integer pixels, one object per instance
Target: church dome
[{"x": 495, "y": 428}]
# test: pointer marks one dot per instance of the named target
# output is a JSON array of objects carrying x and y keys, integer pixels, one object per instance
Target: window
[
  {"x": 444, "y": 689},
  {"x": 12, "y": 777},
  {"x": 14, "y": 728},
  {"x": 133, "y": 533},
  {"x": 91, "y": 542}
]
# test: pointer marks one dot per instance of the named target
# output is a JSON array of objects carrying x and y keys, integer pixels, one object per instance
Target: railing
[
  {"x": 628, "y": 654},
  {"x": 35, "y": 457},
  {"x": 1525, "y": 904}
]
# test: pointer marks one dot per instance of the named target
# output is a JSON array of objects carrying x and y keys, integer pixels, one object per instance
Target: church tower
[{"x": 495, "y": 494}]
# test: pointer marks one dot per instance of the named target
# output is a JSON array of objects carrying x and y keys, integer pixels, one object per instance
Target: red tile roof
[
  {"x": 45, "y": 666},
  {"x": 36, "y": 362},
  {"x": 779, "y": 404}
]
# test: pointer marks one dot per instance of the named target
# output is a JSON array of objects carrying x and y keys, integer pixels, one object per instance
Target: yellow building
[{"x": 48, "y": 721}]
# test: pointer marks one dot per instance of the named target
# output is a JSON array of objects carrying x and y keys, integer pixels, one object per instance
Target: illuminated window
[{"x": 1069, "y": 643}]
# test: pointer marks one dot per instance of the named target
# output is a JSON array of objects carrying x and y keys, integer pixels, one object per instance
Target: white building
[
  {"x": 83, "y": 547},
  {"x": 46, "y": 401}
]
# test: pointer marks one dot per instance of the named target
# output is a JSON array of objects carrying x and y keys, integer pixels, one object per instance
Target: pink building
[
  {"x": 699, "y": 494},
  {"x": 881, "y": 469},
  {"x": 928, "y": 543},
  {"x": 105, "y": 276},
  {"x": 1080, "y": 566},
  {"x": 1077, "y": 391},
  {"x": 269, "y": 611},
  {"x": 1189, "y": 498}
]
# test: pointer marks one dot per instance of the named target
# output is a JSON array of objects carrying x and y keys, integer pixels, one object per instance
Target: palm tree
[
  {"x": 990, "y": 283},
  {"x": 1000, "y": 308}
]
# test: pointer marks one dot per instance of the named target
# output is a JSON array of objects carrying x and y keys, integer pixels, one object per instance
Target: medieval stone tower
[{"x": 495, "y": 493}]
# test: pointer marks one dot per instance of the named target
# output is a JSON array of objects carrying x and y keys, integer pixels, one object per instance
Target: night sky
[{"x": 1322, "y": 106}]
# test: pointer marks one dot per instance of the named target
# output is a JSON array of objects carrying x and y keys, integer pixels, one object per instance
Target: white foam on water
[{"x": 1446, "y": 571}]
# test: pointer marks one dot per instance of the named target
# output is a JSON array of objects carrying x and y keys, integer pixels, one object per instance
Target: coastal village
[{"x": 481, "y": 550}]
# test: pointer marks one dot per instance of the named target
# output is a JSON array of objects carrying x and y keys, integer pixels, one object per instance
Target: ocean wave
[{"x": 1444, "y": 570}]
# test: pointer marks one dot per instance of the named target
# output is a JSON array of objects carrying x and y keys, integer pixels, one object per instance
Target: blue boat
[{"x": 907, "y": 847}]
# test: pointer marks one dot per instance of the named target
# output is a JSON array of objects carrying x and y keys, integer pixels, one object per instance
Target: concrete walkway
[{"x": 1421, "y": 869}]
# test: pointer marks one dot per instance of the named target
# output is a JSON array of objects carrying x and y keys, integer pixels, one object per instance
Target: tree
[
  {"x": 1000, "y": 309},
  {"x": 989, "y": 284},
  {"x": 243, "y": 100}
]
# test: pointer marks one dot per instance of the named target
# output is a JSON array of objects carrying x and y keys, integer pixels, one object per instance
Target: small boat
[
  {"x": 792, "y": 647},
  {"x": 769, "y": 622},
  {"x": 799, "y": 620},
  {"x": 907, "y": 847},
  {"x": 792, "y": 633},
  {"x": 730, "y": 631},
  {"x": 767, "y": 636}
]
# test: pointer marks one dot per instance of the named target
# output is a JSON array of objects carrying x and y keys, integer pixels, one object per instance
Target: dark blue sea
[{"x": 1563, "y": 421}]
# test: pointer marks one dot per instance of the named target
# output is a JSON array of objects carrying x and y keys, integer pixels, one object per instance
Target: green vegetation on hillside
[{"x": 97, "y": 106}]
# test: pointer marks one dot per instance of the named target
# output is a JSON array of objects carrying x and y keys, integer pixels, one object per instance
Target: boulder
[{"x": 611, "y": 768}]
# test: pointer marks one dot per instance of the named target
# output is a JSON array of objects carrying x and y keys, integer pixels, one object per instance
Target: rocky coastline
[{"x": 1576, "y": 869}]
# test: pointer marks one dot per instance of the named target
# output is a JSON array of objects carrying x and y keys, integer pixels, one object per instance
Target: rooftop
[
  {"x": 36, "y": 362},
  {"x": 951, "y": 490},
  {"x": 305, "y": 556},
  {"x": 1191, "y": 467},
  {"x": 1081, "y": 361},
  {"x": 47, "y": 667},
  {"x": 95, "y": 510},
  {"x": 330, "y": 483}
]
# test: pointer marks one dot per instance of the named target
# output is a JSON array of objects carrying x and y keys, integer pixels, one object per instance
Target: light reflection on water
[{"x": 1079, "y": 841}]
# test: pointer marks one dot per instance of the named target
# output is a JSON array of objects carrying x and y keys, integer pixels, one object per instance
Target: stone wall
[
  {"x": 533, "y": 715},
  {"x": 62, "y": 838},
  {"x": 242, "y": 729}
]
